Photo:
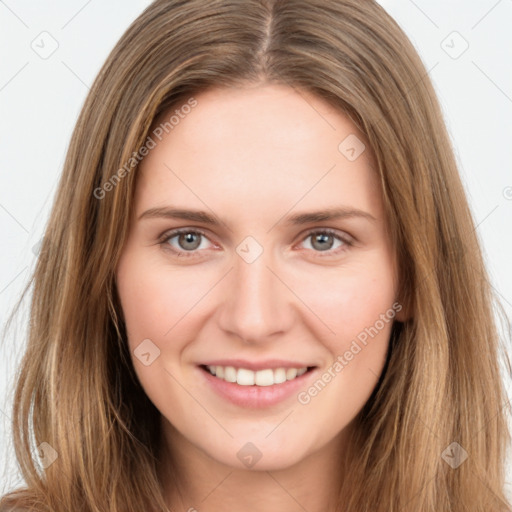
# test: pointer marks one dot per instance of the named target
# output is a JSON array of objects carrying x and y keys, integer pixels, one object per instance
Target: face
[{"x": 260, "y": 286}]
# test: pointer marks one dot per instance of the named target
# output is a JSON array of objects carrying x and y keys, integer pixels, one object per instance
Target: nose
[{"x": 257, "y": 304}]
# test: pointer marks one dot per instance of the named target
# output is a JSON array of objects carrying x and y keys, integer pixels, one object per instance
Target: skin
[{"x": 252, "y": 157}]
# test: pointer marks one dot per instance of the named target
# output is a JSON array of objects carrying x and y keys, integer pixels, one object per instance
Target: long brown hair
[{"x": 77, "y": 390}]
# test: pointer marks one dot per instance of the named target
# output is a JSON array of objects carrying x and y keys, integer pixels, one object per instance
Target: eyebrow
[{"x": 295, "y": 219}]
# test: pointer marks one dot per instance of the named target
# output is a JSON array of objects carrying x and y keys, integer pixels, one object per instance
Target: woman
[{"x": 260, "y": 287}]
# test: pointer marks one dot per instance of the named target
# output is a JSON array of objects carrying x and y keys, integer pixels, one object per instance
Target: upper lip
[{"x": 256, "y": 365}]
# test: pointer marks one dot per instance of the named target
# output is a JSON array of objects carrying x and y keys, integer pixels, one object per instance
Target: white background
[{"x": 40, "y": 100}]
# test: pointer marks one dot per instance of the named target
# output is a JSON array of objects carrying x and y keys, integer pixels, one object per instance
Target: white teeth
[
  {"x": 279, "y": 375},
  {"x": 264, "y": 377},
  {"x": 229, "y": 374},
  {"x": 291, "y": 373},
  {"x": 245, "y": 377}
]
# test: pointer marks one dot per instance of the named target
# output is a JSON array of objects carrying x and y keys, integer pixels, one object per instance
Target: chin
[{"x": 259, "y": 455}]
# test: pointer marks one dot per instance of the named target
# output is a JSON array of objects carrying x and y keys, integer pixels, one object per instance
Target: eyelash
[{"x": 347, "y": 242}]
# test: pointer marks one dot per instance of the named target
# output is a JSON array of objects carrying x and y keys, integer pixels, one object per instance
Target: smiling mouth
[{"x": 246, "y": 377}]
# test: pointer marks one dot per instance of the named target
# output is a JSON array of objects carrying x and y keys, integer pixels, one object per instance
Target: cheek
[
  {"x": 357, "y": 306},
  {"x": 141, "y": 299},
  {"x": 155, "y": 298},
  {"x": 347, "y": 301},
  {"x": 155, "y": 301},
  {"x": 339, "y": 394}
]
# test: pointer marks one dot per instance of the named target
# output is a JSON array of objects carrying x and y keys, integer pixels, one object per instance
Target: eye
[
  {"x": 187, "y": 240},
  {"x": 322, "y": 241}
]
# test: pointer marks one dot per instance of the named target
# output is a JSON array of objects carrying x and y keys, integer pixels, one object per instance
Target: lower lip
[{"x": 255, "y": 397}]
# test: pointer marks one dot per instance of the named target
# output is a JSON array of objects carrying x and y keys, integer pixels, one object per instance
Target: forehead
[
  {"x": 274, "y": 115},
  {"x": 259, "y": 147}
]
